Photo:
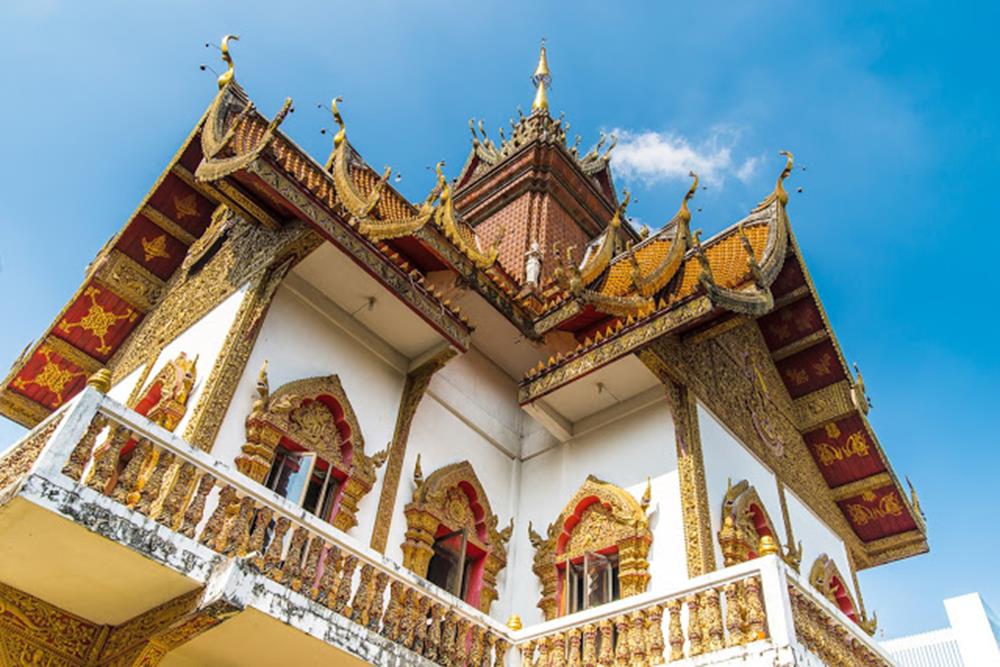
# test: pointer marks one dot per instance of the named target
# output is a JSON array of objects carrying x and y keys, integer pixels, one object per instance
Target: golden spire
[
  {"x": 227, "y": 76},
  {"x": 542, "y": 78}
]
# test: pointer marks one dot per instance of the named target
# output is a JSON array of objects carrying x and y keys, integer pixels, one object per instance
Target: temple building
[{"x": 291, "y": 417}]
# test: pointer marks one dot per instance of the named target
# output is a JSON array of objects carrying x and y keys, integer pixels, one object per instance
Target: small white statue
[{"x": 533, "y": 264}]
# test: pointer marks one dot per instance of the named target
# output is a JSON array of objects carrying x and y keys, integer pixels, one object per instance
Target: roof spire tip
[{"x": 542, "y": 78}]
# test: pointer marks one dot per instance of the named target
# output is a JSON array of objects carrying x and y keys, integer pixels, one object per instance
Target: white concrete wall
[
  {"x": 727, "y": 458},
  {"x": 299, "y": 342},
  {"x": 203, "y": 339},
  {"x": 623, "y": 452},
  {"x": 817, "y": 538}
]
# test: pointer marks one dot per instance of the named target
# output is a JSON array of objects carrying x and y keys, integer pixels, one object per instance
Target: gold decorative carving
[
  {"x": 826, "y": 578},
  {"x": 599, "y": 516},
  {"x": 170, "y": 389},
  {"x": 315, "y": 414},
  {"x": 691, "y": 467},
  {"x": 453, "y": 497},
  {"x": 414, "y": 388},
  {"x": 18, "y": 461},
  {"x": 745, "y": 523}
]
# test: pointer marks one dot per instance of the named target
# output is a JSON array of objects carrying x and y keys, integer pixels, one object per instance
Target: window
[
  {"x": 590, "y": 581},
  {"x": 305, "y": 479},
  {"x": 451, "y": 565}
]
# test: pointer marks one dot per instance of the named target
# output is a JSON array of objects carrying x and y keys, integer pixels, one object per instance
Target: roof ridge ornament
[
  {"x": 542, "y": 78},
  {"x": 228, "y": 75},
  {"x": 778, "y": 194}
]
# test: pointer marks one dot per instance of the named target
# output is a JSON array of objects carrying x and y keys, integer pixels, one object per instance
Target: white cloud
[{"x": 663, "y": 156}]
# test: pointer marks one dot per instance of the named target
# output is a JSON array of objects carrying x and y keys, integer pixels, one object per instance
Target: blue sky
[{"x": 891, "y": 107}]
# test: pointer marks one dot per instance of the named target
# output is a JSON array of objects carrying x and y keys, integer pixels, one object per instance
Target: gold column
[
  {"x": 691, "y": 470},
  {"x": 413, "y": 391}
]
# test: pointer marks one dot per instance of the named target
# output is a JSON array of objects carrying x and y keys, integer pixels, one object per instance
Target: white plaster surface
[
  {"x": 623, "y": 452},
  {"x": 298, "y": 342}
]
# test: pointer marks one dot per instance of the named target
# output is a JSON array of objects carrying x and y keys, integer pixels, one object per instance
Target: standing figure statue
[{"x": 533, "y": 265}]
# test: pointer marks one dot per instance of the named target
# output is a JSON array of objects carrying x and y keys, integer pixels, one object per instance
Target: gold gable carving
[
  {"x": 452, "y": 496},
  {"x": 604, "y": 515},
  {"x": 315, "y": 414}
]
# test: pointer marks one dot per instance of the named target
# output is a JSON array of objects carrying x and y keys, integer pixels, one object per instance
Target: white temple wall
[
  {"x": 203, "y": 339},
  {"x": 299, "y": 342},
  {"x": 442, "y": 438},
  {"x": 817, "y": 538},
  {"x": 726, "y": 458},
  {"x": 623, "y": 452}
]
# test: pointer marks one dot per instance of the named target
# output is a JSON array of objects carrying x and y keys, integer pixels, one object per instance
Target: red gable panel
[
  {"x": 151, "y": 247},
  {"x": 49, "y": 378},
  {"x": 183, "y": 205},
  {"x": 877, "y": 514},
  {"x": 811, "y": 369},
  {"x": 789, "y": 324},
  {"x": 97, "y": 322},
  {"x": 844, "y": 451}
]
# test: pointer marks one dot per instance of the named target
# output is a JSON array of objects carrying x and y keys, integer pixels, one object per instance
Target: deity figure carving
[
  {"x": 164, "y": 399},
  {"x": 533, "y": 265}
]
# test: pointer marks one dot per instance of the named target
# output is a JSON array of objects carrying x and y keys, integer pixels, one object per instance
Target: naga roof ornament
[
  {"x": 364, "y": 207},
  {"x": 228, "y": 75},
  {"x": 459, "y": 233}
]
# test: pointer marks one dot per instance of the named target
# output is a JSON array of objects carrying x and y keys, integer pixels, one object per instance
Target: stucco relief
[
  {"x": 313, "y": 413},
  {"x": 600, "y": 517},
  {"x": 744, "y": 522}
]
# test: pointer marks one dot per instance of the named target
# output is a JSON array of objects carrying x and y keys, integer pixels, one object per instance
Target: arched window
[
  {"x": 595, "y": 552},
  {"x": 826, "y": 578},
  {"x": 304, "y": 443},
  {"x": 744, "y": 522},
  {"x": 451, "y": 536}
]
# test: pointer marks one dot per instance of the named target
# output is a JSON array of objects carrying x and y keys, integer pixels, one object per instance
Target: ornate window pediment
[
  {"x": 601, "y": 518},
  {"x": 744, "y": 523},
  {"x": 311, "y": 415},
  {"x": 826, "y": 578},
  {"x": 451, "y": 506}
]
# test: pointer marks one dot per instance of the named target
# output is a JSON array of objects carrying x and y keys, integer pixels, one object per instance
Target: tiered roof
[{"x": 625, "y": 294}]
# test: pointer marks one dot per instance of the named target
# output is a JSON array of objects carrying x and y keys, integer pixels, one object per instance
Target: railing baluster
[
  {"x": 694, "y": 626},
  {"x": 675, "y": 631},
  {"x": 589, "y": 656},
  {"x": 362, "y": 596},
  {"x": 446, "y": 656},
  {"x": 377, "y": 603},
  {"x": 129, "y": 483},
  {"x": 276, "y": 549},
  {"x": 316, "y": 547},
  {"x": 153, "y": 487},
  {"x": 326, "y": 589},
  {"x": 606, "y": 653},
  {"x": 713, "y": 635},
  {"x": 754, "y": 609},
  {"x": 84, "y": 449},
  {"x": 432, "y": 643},
  {"x": 171, "y": 513},
  {"x": 213, "y": 530},
  {"x": 654, "y": 635},
  {"x": 106, "y": 459},
  {"x": 343, "y": 593}
]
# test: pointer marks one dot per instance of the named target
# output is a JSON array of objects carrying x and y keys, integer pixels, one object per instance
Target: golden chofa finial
[
  {"x": 542, "y": 78},
  {"x": 227, "y": 76},
  {"x": 785, "y": 173},
  {"x": 685, "y": 212},
  {"x": 338, "y": 119}
]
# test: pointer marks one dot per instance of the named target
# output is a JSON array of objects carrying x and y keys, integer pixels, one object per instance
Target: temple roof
[{"x": 625, "y": 293}]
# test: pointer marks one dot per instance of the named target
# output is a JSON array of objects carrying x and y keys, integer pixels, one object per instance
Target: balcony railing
[{"x": 759, "y": 608}]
